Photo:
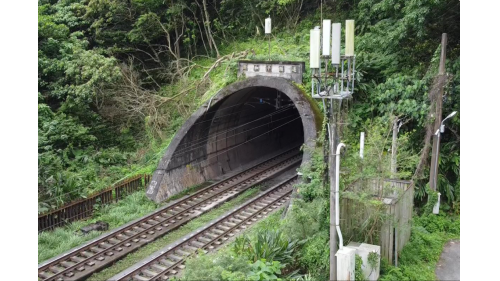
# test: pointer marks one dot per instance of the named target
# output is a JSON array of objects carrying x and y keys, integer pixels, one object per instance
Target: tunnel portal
[{"x": 244, "y": 124}]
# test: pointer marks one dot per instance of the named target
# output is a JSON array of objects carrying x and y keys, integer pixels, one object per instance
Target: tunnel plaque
[{"x": 291, "y": 70}]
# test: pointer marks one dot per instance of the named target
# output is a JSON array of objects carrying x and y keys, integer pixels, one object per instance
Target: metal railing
[{"x": 84, "y": 208}]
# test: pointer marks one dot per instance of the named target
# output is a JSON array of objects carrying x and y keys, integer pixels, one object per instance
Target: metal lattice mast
[{"x": 332, "y": 88}]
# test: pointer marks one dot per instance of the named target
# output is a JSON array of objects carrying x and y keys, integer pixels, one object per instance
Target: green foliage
[
  {"x": 432, "y": 199},
  {"x": 305, "y": 277},
  {"x": 75, "y": 145},
  {"x": 230, "y": 276},
  {"x": 263, "y": 270},
  {"x": 398, "y": 48},
  {"x": 271, "y": 245},
  {"x": 222, "y": 266},
  {"x": 376, "y": 162},
  {"x": 52, "y": 243},
  {"x": 419, "y": 257},
  {"x": 358, "y": 271},
  {"x": 373, "y": 259},
  {"x": 439, "y": 223},
  {"x": 314, "y": 256},
  {"x": 305, "y": 219},
  {"x": 314, "y": 174}
]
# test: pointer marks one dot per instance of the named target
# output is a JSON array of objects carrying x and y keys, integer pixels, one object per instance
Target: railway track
[
  {"x": 170, "y": 263},
  {"x": 85, "y": 260}
]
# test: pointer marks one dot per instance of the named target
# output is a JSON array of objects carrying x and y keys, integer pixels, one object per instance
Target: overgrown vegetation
[
  {"x": 132, "y": 207},
  {"x": 53, "y": 243},
  {"x": 358, "y": 272},
  {"x": 117, "y": 79},
  {"x": 263, "y": 253},
  {"x": 173, "y": 236},
  {"x": 419, "y": 257}
]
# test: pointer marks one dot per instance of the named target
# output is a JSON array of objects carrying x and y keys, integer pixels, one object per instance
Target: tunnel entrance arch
[{"x": 243, "y": 123}]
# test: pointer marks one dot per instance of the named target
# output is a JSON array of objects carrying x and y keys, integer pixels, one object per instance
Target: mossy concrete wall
[{"x": 184, "y": 165}]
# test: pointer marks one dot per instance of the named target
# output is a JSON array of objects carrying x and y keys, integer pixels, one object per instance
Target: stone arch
[{"x": 193, "y": 158}]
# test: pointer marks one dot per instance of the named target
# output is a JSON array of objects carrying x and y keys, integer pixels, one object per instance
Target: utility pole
[
  {"x": 438, "y": 112},
  {"x": 330, "y": 87},
  {"x": 332, "y": 131}
]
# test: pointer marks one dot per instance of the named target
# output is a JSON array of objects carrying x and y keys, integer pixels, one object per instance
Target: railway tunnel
[{"x": 245, "y": 123}]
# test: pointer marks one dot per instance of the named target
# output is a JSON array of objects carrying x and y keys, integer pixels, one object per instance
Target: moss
[{"x": 318, "y": 114}]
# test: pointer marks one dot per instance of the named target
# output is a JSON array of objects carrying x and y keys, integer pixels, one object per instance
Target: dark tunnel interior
[{"x": 250, "y": 125}]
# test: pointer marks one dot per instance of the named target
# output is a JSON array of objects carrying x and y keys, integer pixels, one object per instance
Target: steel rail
[
  {"x": 97, "y": 255},
  {"x": 171, "y": 262}
]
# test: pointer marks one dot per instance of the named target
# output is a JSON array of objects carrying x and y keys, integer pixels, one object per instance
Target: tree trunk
[
  {"x": 177, "y": 48},
  {"x": 437, "y": 86},
  {"x": 207, "y": 24}
]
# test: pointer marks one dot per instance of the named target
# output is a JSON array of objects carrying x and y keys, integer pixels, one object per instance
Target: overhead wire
[
  {"x": 287, "y": 107},
  {"x": 239, "y": 126},
  {"x": 225, "y": 151},
  {"x": 218, "y": 117},
  {"x": 203, "y": 143},
  {"x": 83, "y": 188}
]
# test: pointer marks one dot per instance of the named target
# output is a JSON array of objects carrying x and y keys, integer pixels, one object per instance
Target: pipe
[{"x": 337, "y": 216}]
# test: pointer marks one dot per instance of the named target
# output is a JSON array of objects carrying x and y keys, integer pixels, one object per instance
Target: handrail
[{"x": 84, "y": 208}]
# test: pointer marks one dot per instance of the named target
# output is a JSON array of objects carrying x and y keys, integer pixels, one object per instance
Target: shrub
[
  {"x": 314, "y": 256},
  {"x": 306, "y": 218},
  {"x": 220, "y": 266},
  {"x": 358, "y": 272},
  {"x": 305, "y": 277},
  {"x": 419, "y": 257},
  {"x": 265, "y": 270},
  {"x": 439, "y": 223},
  {"x": 271, "y": 245}
]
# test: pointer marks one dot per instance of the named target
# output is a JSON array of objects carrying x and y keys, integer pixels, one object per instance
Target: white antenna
[
  {"x": 333, "y": 86},
  {"x": 326, "y": 37},
  {"x": 349, "y": 38},
  {"x": 268, "y": 25},
  {"x": 314, "y": 48},
  {"x": 267, "y": 31},
  {"x": 336, "y": 43}
]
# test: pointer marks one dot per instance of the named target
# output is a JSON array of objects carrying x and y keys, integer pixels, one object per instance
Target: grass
[
  {"x": 417, "y": 261},
  {"x": 197, "y": 263},
  {"x": 53, "y": 243},
  {"x": 134, "y": 206},
  {"x": 420, "y": 256},
  {"x": 152, "y": 247}
]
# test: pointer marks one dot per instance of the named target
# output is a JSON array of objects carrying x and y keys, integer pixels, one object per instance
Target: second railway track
[
  {"x": 88, "y": 259},
  {"x": 170, "y": 262}
]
